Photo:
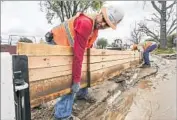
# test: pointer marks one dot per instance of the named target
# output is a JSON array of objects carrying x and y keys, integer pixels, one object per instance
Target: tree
[
  {"x": 67, "y": 9},
  {"x": 102, "y": 43},
  {"x": 163, "y": 16},
  {"x": 117, "y": 43},
  {"x": 154, "y": 34},
  {"x": 136, "y": 34},
  {"x": 26, "y": 40}
]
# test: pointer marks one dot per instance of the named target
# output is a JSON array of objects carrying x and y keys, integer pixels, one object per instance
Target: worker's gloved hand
[{"x": 75, "y": 87}]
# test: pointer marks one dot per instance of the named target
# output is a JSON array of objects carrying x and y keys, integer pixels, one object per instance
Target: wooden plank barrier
[{"x": 50, "y": 68}]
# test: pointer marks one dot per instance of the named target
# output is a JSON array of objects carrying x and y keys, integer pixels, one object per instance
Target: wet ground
[
  {"x": 156, "y": 95},
  {"x": 138, "y": 94}
]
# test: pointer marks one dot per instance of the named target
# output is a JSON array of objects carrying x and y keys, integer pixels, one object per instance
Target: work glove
[{"x": 75, "y": 87}]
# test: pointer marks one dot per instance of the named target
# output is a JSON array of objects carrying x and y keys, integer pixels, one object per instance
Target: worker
[
  {"x": 80, "y": 32},
  {"x": 145, "y": 47}
]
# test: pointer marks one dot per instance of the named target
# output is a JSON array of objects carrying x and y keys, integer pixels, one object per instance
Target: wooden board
[
  {"x": 50, "y": 72},
  {"x": 63, "y": 82},
  {"x": 52, "y": 61},
  {"x": 42, "y": 49},
  {"x": 52, "y": 85},
  {"x": 31, "y": 49},
  {"x": 109, "y": 52},
  {"x": 47, "y": 90}
]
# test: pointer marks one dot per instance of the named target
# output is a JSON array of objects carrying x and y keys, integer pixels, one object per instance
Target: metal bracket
[
  {"x": 21, "y": 87},
  {"x": 20, "y": 83}
]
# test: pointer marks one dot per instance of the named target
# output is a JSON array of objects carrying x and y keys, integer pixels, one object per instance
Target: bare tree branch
[
  {"x": 171, "y": 26},
  {"x": 171, "y": 5},
  {"x": 155, "y": 6},
  {"x": 50, "y": 14},
  {"x": 80, "y": 6},
  {"x": 61, "y": 8},
  {"x": 66, "y": 10},
  {"x": 75, "y": 6},
  {"x": 136, "y": 35},
  {"x": 86, "y": 6},
  {"x": 173, "y": 30},
  {"x": 68, "y": 3},
  {"x": 169, "y": 13},
  {"x": 154, "y": 20},
  {"x": 147, "y": 31},
  {"x": 156, "y": 16},
  {"x": 144, "y": 4}
]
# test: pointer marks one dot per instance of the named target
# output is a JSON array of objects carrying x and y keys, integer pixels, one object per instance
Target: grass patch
[{"x": 164, "y": 51}]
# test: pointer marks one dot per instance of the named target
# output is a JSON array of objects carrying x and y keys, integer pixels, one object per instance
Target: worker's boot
[
  {"x": 88, "y": 98},
  {"x": 73, "y": 118},
  {"x": 146, "y": 66}
]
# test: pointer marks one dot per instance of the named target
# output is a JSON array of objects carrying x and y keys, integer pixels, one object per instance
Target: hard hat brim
[{"x": 104, "y": 12}]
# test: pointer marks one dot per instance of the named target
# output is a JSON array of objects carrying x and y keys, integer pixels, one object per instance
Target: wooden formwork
[{"x": 50, "y": 68}]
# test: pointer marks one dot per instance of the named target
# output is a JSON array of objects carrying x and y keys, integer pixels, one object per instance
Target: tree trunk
[{"x": 163, "y": 36}]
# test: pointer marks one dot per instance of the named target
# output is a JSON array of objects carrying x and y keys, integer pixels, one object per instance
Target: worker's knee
[{"x": 145, "y": 53}]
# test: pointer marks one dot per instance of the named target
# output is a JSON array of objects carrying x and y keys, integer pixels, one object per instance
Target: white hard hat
[
  {"x": 131, "y": 47},
  {"x": 113, "y": 14}
]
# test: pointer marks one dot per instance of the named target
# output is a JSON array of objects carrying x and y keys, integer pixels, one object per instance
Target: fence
[{"x": 50, "y": 68}]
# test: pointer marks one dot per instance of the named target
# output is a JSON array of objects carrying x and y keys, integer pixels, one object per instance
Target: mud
[
  {"x": 115, "y": 111},
  {"x": 145, "y": 85}
]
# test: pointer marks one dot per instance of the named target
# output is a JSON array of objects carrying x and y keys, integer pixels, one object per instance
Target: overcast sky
[{"x": 25, "y": 18}]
